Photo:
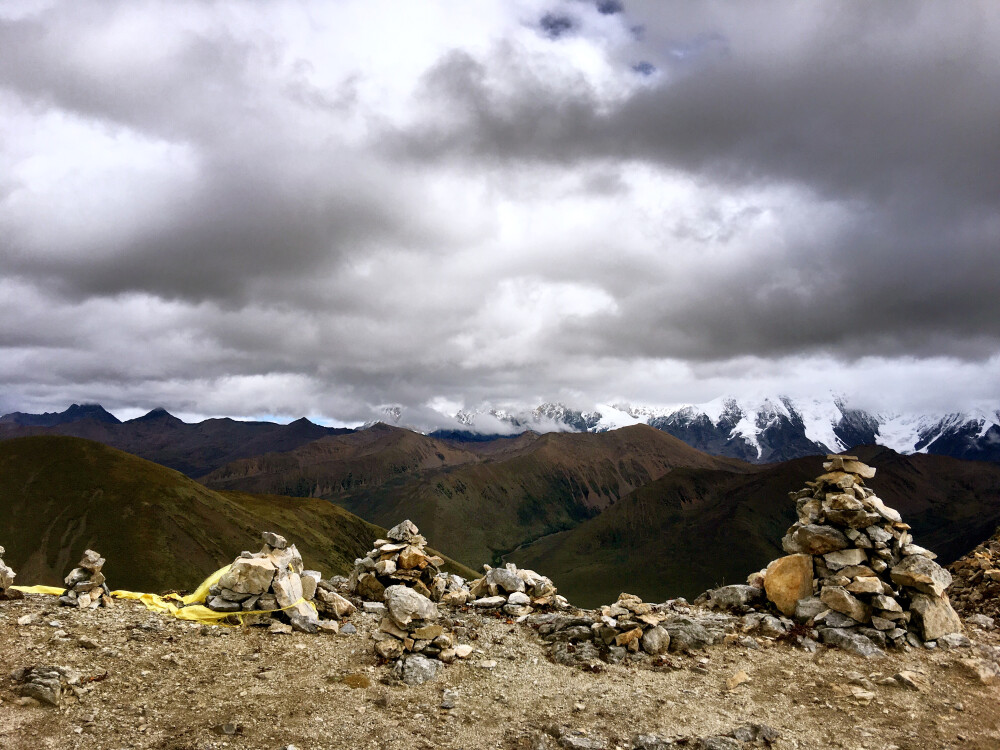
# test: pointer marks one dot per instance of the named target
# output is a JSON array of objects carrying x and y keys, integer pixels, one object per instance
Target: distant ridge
[
  {"x": 74, "y": 413},
  {"x": 194, "y": 449}
]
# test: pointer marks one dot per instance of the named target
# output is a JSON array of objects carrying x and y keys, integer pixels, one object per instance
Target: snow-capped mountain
[{"x": 767, "y": 429}]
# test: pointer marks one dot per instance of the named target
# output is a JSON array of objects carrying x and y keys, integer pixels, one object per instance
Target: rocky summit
[{"x": 975, "y": 588}]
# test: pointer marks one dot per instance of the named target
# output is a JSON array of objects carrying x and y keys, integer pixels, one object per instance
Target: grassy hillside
[
  {"x": 157, "y": 528},
  {"x": 479, "y": 510},
  {"x": 694, "y": 529}
]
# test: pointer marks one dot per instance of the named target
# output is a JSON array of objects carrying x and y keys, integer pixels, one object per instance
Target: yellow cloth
[{"x": 191, "y": 606}]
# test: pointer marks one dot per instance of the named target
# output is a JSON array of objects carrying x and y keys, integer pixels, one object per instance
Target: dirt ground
[{"x": 156, "y": 682}]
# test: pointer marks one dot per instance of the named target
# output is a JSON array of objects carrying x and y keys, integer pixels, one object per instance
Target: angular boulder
[
  {"x": 923, "y": 574},
  {"x": 405, "y": 605},
  {"x": 814, "y": 539},
  {"x": 841, "y": 600},
  {"x": 935, "y": 616},
  {"x": 249, "y": 575}
]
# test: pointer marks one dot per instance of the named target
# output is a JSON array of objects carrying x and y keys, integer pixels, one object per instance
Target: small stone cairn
[
  {"x": 7, "y": 575},
  {"x": 50, "y": 685},
  {"x": 976, "y": 586},
  {"x": 274, "y": 581},
  {"x": 853, "y": 570},
  {"x": 85, "y": 585},
  {"x": 401, "y": 559},
  {"x": 516, "y": 592}
]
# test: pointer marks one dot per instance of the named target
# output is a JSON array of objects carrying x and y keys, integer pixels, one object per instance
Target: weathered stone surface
[
  {"x": 416, "y": 670},
  {"x": 922, "y": 574},
  {"x": 274, "y": 540},
  {"x": 845, "y": 558},
  {"x": 736, "y": 595},
  {"x": 809, "y": 607},
  {"x": 787, "y": 580},
  {"x": 850, "y": 642},
  {"x": 656, "y": 641},
  {"x": 865, "y": 585},
  {"x": 248, "y": 576},
  {"x": 889, "y": 514},
  {"x": 519, "y": 599},
  {"x": 405, "y": 605},
  {"x": 813, "y": 539},
  {"x": 841, "y": 600},
  {"x": 369, "y": 587},
  {"x": 935, "y": 616},
  {"x": 310, "y": 581},
  {"x": 886, "y": 603},
  {"x": 333, "y": 603},
  {"x": 862, "y": 470},
  {"x": 411, "y": 557},
  {"x": 987, "y": 672},
  {"x": 686, "y": 634},
  {"x": 505, "y": 579},
  {"x": 91, "y": 561},
  {"x": 404, "y": 531},
  {"x": 985, "y": 622}
]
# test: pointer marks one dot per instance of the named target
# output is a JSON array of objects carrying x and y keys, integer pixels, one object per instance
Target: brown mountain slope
[
  {"x": 694, "y": 529},
  {"x": 195, "y": 449},
  {"x": 157, "y": 528},
  {"x": 334, "y": 465},
  {"x": 488, "y": 501}
]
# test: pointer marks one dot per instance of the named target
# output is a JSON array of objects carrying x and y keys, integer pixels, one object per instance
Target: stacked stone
[
  {"x": 412, "y": 626},
  {"x": 85, "y": 585},
  {"x": 401, "y": 559},
  {"x": 854, "y": 571},
  {"x": 629, "y": 628},
  {"x": 6, "y": 574},
  {"x": 516, "y": 592},
  {"x": 976, "y": 586},
  {"x": 274, "y": 581}
]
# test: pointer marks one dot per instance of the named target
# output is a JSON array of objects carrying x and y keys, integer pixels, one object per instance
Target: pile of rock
[
  {"x": 516, "y": 592},
  {"x": 6, "y": 575},
  {"x": 975, "y": 589},
  {"x": 272, "y": 582},
  {"x": 50, "y": 685},
  {"x": 412, "y": 627},
  {"x": 85, "y": 586},
  {"x": 402, "y": 560},
  {"x": 629, "y": 628},
  {"x": 854, "y": 571}
]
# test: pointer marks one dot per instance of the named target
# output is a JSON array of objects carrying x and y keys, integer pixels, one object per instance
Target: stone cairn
[
  {"x": 7, "y": 575},
  {"x": 853, "y": 570},
  {"x": 272, "y": 583},
  {"x": 412, "y": 627},
  {"x": 85, "y": 586},
  {"x": 517, "y": 593},
  {"x": 976, "y": 586},
  {"x": 628, "y": 629},
  {"x": 401, "y": 559}
]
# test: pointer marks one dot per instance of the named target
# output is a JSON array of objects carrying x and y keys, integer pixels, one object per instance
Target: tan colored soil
[{"x": 162, "y": 683}]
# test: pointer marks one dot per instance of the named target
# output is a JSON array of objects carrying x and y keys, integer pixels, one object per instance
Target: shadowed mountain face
[
  {"x": 476, "y": 500},
  {"x": 194, "y": 449},
  {"x": 694, "y": 529},
  {"x": 157, "y": 528}
]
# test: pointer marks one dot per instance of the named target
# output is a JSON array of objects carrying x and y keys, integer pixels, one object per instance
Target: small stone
[
  {"x": 405, "y": 605},
  {"x": 280, "y": 628},
  {"x": 865, "y": 585},
  {"x": 274, "y": 540},
  {"x": 403, "y": 531},
  {"x": 849, "y": 641},
  {"x": 813, "y": 539},
  {"x": 463, "y": 651},
  {"x": 985, "y": 671},
  {"x": 655, "y": 641},
  {"x": 843, "y": 558},
  {"x": 737, "y": 679},
  {"x": 953, "y": 640},
  {"x": 248, "y": 576},
  {"x": 984, "y": 622},
  {"x": 841, "y": 600}
]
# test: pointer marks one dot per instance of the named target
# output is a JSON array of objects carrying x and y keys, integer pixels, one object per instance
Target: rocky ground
[{"x": 150, "y": 681}]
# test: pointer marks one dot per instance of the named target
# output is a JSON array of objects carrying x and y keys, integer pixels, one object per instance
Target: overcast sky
[{"x": 323, "y": 208}]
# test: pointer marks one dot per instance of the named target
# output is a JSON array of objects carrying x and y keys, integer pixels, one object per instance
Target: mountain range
[{"x": 767, "y": 429}]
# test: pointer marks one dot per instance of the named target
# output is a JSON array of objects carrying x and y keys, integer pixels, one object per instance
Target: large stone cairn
[
  {"x": 274, "y": 581},
  {"x": 976, "y": 588},
  {"x": 85, "y": 586},
  {"x": 6, "y": 574},
  {"x": 517, "y": 592},
  {"x": 854, "y": 570},
  {"x": 401, "y": 559}
]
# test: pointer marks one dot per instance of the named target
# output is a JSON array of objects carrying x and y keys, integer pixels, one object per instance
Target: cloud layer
[{"x": 322, "y": 209}]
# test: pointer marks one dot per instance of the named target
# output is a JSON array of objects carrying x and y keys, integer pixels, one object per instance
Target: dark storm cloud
[
  {"x": 880, "y": 110},
  {"x": 295, "y": 208}
]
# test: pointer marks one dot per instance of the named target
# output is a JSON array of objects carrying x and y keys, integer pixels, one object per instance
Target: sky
[{"x": 327, "y": 208}]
